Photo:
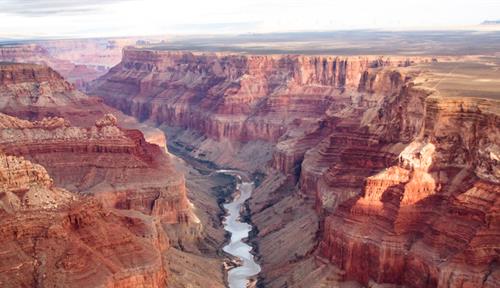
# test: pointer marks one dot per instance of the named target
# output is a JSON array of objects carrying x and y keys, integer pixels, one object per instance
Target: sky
[{"x": 104, "y": 18}]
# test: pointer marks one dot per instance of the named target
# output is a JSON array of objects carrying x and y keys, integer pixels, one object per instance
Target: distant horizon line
[{"x": 485, "y": 26}]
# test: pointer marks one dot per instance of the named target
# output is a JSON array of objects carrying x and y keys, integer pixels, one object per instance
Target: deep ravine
[{"x": 244, "y": 275}]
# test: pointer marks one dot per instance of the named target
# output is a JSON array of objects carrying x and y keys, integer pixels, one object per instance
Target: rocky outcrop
[
  {"x": 103, "y": 160},
  {"x": 126, "y": 212},
  {"x": 406, "y": 192},
  {"x": 51, "y": 237},
  {"x": 411, "y": 222},
  {"x": 32, "y": 92},
  {"x": 77, "y": 71},
  {"x": 31, "y": 181}
]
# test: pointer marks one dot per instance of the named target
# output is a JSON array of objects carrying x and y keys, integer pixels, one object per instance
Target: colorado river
[{"x": 239, "y": 277}]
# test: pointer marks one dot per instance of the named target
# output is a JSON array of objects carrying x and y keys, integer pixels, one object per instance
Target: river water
[{"x": 239, "y": 277}]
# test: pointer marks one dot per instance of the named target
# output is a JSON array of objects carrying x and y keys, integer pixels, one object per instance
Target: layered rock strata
[
  {"x": 422, "y": 220},
  {"x": 52, "y": 237},
  {"x": 77, "y": 72},
  {"x": 384, "y": 180},
  {"x": 31, "y": 91},
  {"x": 102, "y": 160},
  {"x": 234, "y": 97},
  {"x": 127, "y": 201}
]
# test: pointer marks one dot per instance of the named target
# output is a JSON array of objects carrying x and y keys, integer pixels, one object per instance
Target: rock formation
[
  {"x": 77, "y": 73},
  {"x": 79, "y": 61},
  {"x": 232, "y": 96},
  {"x": 52, "y": 237},
  {"x": 32, "y": 91},
  {"x": 422, "y": 220},
  {"x": 114, "y": 211},
  {"x": 103, "y": 160},
  {"x": 378, "y": 178},
  {"x": 120, "y": 225}
]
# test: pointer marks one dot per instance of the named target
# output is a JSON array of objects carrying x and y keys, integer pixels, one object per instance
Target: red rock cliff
[
  {"x": 31, "y": 91},
  {"x": 51, "y": 237},
  {"x": 117, "y": 166},
  {"x": 419, "y": 213},
  {"x": 59, "y": 56},
  {"x": 125, "y": 193},
  {"x": 235, "y": 97}
]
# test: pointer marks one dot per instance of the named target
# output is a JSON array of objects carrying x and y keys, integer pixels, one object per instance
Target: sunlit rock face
[
  {"x": 102, "y": 217},
  {"x": 378, "y": 179},
  {"x": 237, "y": 97},
  {"x": 117, "y": 166},
  {"x": 52, "y": 237},
  {"x": 32, "y": 91},
  {"x": 426, "y": 218}
]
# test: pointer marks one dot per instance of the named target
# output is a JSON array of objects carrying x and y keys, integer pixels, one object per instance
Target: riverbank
[{"x": 234, "y": 206}]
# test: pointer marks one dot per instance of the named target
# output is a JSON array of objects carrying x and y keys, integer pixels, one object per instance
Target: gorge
[
  {"x": 358, "y": 171},
  {"x": 360, "y": 143}
]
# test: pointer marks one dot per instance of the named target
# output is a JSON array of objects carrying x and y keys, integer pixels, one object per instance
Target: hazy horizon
[{"x": 28, "y": 19}]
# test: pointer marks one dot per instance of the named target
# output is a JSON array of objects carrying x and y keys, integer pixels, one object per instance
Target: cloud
[
  {"x": 52, "y": 7},
  {"x": 99, "y": 18}
]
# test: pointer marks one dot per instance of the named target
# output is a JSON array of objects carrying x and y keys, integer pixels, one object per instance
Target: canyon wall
[
  {"x": 32, "y": 91},
  {"x": 233, "y": 96},
  {"x": 414, "y": 210},
  {"x": 114, "y": 211},
  {"x": 53, "y": 237},
  {"x": 76, "y": 71},
  {"x": 98, "y": 158},
  {"x": 117, "y": 166},
  {"x": 382, "y": 179},
  {"x": 79, "y": 61}
]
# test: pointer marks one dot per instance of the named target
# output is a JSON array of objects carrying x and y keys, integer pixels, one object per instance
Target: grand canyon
[{"x": 323, "y": 159}]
